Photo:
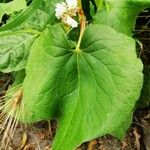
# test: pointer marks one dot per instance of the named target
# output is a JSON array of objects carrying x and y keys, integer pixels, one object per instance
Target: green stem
[
  {"x": 82, "y": 19},
  {"x": 82, "y": 29}
]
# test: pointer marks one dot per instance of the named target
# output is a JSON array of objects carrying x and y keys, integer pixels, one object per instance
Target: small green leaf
[
  {"x": 38, "y": 21},
  {"x": 121, "y": 15},
  {"x": 15, "y": 5},
  {"x": 23, "y": 16},
  {"x": 14, "y": 50}
]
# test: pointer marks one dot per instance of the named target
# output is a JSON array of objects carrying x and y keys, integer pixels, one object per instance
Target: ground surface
[{"x": 40, "y": 135}]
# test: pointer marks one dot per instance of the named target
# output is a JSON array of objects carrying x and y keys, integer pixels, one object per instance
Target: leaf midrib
[{"x": 78, "y": 94}]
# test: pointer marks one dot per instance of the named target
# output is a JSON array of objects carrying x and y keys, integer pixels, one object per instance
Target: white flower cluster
[{"x": 66, "y": 11}]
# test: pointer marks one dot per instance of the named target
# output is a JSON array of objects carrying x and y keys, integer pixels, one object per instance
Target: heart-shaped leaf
[
  {"x": 90, "y": 92},
  {"x": 107, "y": 76}
]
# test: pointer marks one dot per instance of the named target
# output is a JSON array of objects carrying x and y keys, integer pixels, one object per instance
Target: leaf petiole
[{"x": 82, "y": 29}]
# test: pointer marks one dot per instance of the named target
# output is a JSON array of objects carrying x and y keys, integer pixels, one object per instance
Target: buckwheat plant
[{"x": 89, "y": 81}]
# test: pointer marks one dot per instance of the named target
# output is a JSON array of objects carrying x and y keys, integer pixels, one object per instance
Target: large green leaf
[
  {"x": 122, "y": 14},
  {"x": 108, "y": 83},
  {"x": 46, "y": 59},
  {"x": 14, "y": 50},
  {"x": 91, "y": 92},
  {"x": 12, "y": 6}
]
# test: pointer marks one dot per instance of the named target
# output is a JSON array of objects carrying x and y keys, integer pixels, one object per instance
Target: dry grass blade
[{"x": 10, "y": 111}]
